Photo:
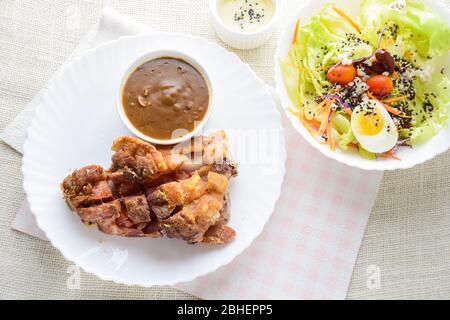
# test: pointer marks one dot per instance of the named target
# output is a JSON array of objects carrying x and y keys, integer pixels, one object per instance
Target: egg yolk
[{"x": 370, "y": 123}]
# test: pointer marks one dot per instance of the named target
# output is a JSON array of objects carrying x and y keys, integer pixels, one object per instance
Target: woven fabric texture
[{"x": 408, "y": 235}]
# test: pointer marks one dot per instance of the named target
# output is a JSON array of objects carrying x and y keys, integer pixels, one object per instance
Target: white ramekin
[
  {"x": 155, "y": 55},
  {"x": 244, "y": 40}
]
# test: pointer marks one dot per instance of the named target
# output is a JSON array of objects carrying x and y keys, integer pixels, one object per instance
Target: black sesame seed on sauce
[{"x": 246, "y": 15}]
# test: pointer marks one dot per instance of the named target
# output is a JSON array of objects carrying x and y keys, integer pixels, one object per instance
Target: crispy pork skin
[
  {"x": 167, "y": 197},
  {"x": 217, "y": 183},
  {"x": 147, "y": 160},
  {"x": 194, "y": 219},
  {"x": 122, "y": 159},
  {"x": 86, "y": 186},
  {"x": 219, "y": 234},
  {"x": 81, "y": 180}
]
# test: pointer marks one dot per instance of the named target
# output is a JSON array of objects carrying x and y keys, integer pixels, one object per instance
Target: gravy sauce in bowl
[{"x": 165, "y": 99}]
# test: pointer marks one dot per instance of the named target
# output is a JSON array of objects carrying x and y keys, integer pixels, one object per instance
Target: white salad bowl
[{"x": 409, "y": 156}]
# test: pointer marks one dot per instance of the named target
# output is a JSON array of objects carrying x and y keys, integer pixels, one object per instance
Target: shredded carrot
[
  {"x": 294, "y": 37},
  {"x": 395, "y": 75},
  {"x": 324, "y": 123},
  {"x": 315, "y": 123},
  {"x": 330, "y": 138},
  {"x": 323, "y": 104},
  {"x": 311, "y": 125},
  {"x": 353, "y": 145},
  {"x": 348, "y": 111},
  {"x": 395, "y": 99},
  {"x": 390, "y": 109},
  {"x": 302, "y": 120},
  {"x": 346, "y": 17},
  {"x": 390, "y": 154}
]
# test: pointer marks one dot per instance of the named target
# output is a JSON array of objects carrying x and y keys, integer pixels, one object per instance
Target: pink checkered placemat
[{"x": 308, "y": 248}]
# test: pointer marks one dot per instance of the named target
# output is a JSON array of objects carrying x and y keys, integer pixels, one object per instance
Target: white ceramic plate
[
  {"x": 76, "y": 124},
  {"x": 409, "y": 157}
]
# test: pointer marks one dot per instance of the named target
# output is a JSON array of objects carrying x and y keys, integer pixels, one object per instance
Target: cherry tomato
[
  {"x": 380, "y": 86},
  {"x": 342, "y": 74}
]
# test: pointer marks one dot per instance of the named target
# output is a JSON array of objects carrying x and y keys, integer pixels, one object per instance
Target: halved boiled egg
[{"x": 373, "y": 127}]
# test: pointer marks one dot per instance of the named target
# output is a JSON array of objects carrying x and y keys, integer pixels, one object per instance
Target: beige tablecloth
[{"x": 407, "y": 242}]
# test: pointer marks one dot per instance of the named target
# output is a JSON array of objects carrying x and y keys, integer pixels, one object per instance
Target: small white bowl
[
  {"x": 244, "y": 40},
  {"x": 155, "y": 55}
]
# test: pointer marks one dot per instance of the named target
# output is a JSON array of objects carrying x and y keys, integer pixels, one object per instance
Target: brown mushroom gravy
[{"x": 163, "y": 95}]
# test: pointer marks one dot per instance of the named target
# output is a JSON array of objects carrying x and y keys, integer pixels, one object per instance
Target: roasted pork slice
[
  {"x": 142, "y": 157},
  {"x": 94, "y": 194},
  {"x": 168, "y": 197},
  {"x": 226, "y": 167},
  {"x": 87, "y": 186},
  {"x": 153, "y": 228},
  {"x": 111, "y": 227},
  {"x": 191, "y": 223},
  {"x": 101, "y": 192},
  {"x": 111, "y": 219},
  {"x": 137, "y": 208},
  {"x": 137, "y": 147},
  {"x": 106, "y": 215},
  {"x": 81, "y": 180},
  {"x": 136, "y": 155},
  {"x": 219, "y": 234},
  {"x": 125, "y": 182},
  {"x": 105, "y": 211},
  {"x": 122, "y": 159},
  {"x": 209, "y": 153},
  {"x": 225, "y": 211}
]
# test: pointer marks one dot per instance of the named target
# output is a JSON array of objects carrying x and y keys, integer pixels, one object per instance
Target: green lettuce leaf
[
  {"x": 366, "y": 154},
  {"x": 419, "y": 28},
  {"x": 341, "y": 123},
  {"x": 431, "y": 109},
  {"x": 319, "y": 43}
]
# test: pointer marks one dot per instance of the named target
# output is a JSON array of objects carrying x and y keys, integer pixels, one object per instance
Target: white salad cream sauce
[{"x": 246, "y": 15}]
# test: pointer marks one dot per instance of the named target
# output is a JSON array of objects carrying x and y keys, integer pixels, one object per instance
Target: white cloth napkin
[{"x": 309, "y": 246}]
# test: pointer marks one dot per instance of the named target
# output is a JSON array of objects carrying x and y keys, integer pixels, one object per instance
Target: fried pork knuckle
[{"x": 158, "y": 191}]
